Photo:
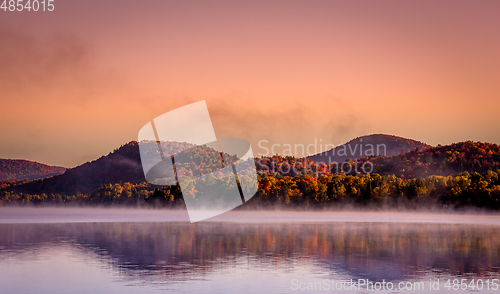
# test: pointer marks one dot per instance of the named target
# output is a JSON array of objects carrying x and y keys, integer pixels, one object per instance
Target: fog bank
[{"x": 78, "y": 215}]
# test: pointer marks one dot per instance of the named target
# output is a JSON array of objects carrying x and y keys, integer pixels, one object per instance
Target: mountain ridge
[
  {"x": 22, "y": 169},
  {"x": 360, "y": 147},
  {"x": 444, "y": 160},
  {"x": 124, "y": 165}
]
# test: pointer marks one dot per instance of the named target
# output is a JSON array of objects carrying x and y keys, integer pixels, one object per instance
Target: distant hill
[
  {"x": 371, "y": 145},
  {"x": 441, "y": 160},
  {"x": 117, "y": 178},
  {"x": 18, "y": 169},
  {"x": 121, "y": 165}
]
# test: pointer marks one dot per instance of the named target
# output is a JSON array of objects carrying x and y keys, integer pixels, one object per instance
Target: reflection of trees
[{"x": 390, "y": 251}]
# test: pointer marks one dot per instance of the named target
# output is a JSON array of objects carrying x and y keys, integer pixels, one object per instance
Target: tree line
[{"x": 481, "y": 190}]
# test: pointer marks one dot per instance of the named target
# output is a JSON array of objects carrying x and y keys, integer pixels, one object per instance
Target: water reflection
[{"x": 183, "y": 251}]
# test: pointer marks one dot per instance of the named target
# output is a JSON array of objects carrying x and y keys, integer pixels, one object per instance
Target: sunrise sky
[{"x": 82, "y": 80}]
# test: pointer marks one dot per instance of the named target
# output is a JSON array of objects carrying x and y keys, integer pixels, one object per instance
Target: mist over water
[{"x": 87, "y": 214}]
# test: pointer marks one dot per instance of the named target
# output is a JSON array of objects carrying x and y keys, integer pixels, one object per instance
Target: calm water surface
[{"x": 258, "y": 257}]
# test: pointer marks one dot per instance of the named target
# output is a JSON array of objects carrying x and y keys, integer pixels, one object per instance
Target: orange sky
[{"x": 82, "y": 80}]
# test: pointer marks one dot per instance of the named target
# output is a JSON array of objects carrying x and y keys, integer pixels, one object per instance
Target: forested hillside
[
  {"x": 441, "y": 160},
  {"x": 459, "y": 175}
]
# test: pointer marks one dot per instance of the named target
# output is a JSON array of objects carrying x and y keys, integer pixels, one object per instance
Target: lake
[{"x": 84, "y": 250}]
